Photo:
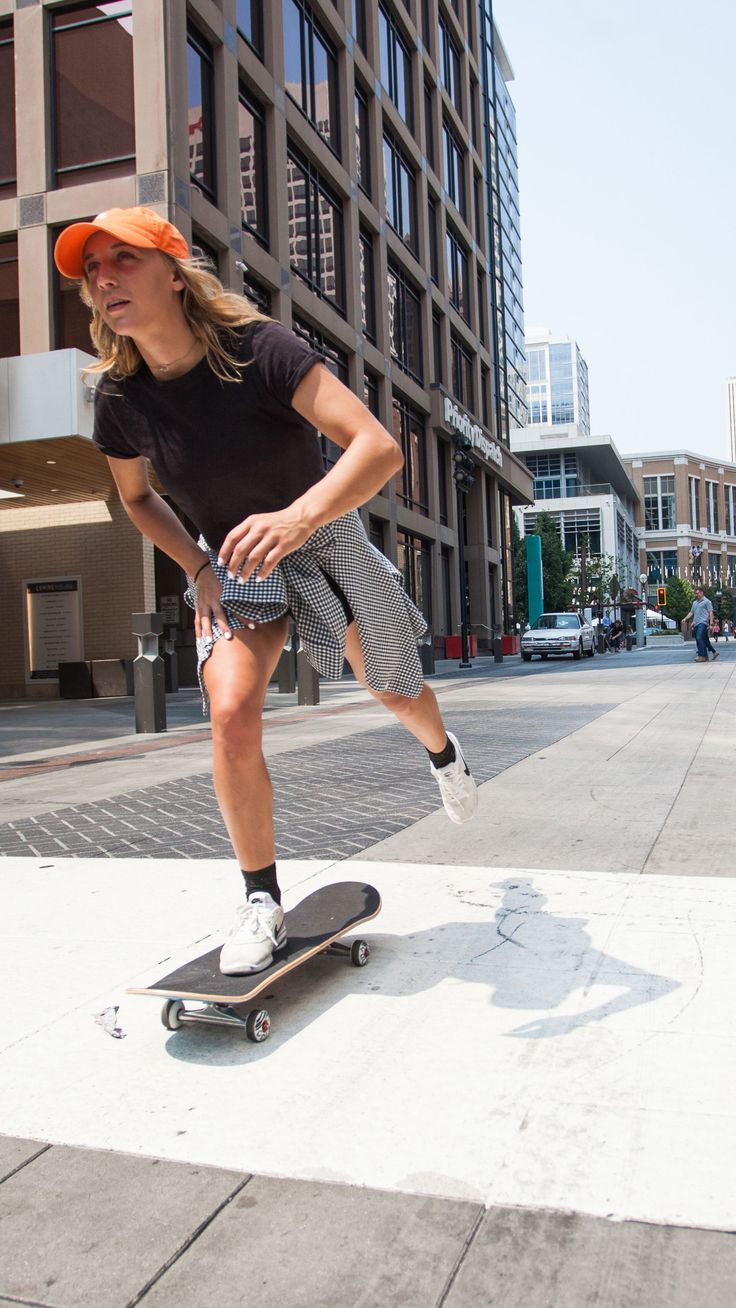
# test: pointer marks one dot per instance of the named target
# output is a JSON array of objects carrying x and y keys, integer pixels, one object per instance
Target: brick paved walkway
[{"x": 333, "y": 800}]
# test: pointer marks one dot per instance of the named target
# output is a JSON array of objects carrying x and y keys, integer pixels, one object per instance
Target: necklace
[{"x": 166, "y": 367}]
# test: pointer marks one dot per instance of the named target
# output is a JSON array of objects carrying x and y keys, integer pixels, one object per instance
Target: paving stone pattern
[{"x": 333, "y": 800}]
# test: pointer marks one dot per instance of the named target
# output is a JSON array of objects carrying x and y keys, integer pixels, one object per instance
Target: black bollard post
[
  {"x": 497, "y": 645},
  {"x": 148, "y": 674},
  {"x": 307, "y": 681}
]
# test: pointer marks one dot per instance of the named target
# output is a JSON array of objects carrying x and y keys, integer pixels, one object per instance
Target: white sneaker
[
  {"x": 260, "y": 930},
  {"x": 459, "y": 791}
]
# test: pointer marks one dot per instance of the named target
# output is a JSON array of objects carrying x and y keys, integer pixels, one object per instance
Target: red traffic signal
[{"x": 661, "y": 597}]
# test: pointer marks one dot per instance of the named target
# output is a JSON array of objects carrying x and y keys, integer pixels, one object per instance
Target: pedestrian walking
[
  {"x": 227, "y": 405},
  {"x": 726, "y": 630},
  {"x": 701, "y": 613}
]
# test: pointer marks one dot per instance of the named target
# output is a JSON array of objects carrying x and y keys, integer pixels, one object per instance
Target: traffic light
[
  {"x": 661, "y": 597},
  {"x": 463, "y": 472}
]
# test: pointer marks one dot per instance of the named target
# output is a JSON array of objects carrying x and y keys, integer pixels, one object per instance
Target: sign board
[
  {"x": 461, "y": 422},
  {"x": 53, "y": 625},
  {"x": 168, "y": 607}
]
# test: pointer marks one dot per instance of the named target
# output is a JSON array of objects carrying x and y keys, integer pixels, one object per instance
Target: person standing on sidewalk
[
  {"x": 227, "y": 405},
  {"x": 701, "y": 613}
]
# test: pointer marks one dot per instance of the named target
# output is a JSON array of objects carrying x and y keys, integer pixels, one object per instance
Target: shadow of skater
[{"x": 538, "y": 959}]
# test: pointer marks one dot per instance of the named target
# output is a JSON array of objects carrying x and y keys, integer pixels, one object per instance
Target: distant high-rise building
[
  {"x": 731, "y": 417},
  {"x": 557, "y": 380}
]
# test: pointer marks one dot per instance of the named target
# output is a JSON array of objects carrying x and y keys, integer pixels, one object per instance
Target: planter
[
  {"x": 511, "y": 644},
  {"x": 454, "y": 647}
]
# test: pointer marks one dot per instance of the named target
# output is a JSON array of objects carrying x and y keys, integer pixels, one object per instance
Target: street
[{"x": 524, "y": 1098}]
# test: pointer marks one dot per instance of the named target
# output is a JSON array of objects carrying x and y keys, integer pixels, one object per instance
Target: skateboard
[{"x": 313, "y": 927}]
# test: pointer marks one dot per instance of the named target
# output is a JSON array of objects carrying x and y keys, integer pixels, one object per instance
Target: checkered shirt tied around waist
[{"x": 389, "y": 624}]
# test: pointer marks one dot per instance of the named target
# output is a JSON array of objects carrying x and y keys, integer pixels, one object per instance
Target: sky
[{"x": 626, "y": 130}]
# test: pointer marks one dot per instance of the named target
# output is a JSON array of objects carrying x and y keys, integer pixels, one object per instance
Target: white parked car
[{"x": 558, "y": 633}]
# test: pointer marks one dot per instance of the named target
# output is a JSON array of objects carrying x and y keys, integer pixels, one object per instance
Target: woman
[{"x": 227, "y": 404}]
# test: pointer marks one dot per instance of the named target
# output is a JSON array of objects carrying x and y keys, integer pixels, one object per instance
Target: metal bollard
[
  {"x": 307, "y": 681},
  {"x": 171, "y": 661},
  {"x": 148, "y": 674},
  {"x": 286, "y": 671},
  {"x": 497, "y": 645}
]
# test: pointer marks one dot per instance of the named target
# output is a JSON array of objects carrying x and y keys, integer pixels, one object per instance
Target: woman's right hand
[{"x": 209, "y": 606}]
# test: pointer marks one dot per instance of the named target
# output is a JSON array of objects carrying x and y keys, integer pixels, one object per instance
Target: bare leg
[
  {"x": 237, "y": 674},
  {"x": 421, "y": 716}
]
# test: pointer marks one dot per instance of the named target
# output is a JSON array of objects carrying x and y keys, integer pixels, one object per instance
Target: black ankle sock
[
  {"x": 263, "y": 879},
  {"x": 445, "y": 756}
]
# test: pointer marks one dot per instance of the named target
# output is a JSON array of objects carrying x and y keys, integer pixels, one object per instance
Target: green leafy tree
[
  {"x": 556, "y": 565},
  {"x": 680, "y": 596},
  {"x": 599, "y": 572}
]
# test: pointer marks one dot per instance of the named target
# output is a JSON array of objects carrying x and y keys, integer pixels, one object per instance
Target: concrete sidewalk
[{"x": 524, "y": 1099}]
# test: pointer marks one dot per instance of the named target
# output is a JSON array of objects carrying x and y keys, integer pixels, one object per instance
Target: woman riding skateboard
[{"x": 227, "y": 405}]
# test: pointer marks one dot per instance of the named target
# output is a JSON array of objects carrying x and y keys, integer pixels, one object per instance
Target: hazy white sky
[{"x": 626, "y": 121}]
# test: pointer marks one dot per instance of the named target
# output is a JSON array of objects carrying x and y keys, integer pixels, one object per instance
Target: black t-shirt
[{"x": 221, "y": 450}]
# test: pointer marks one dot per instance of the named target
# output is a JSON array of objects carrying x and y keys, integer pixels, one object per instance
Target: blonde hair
[{"x": 212, "y": 313}]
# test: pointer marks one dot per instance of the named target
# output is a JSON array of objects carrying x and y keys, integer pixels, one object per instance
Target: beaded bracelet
[{"x": 201, "y": 568}]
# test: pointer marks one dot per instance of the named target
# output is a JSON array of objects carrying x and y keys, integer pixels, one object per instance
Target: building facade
[
  {"x": 351, "y": 167},
  {"x": 687, "y": 518},
  {"x": 557, "y": 375},
  {"x": 584, "y": 484}
]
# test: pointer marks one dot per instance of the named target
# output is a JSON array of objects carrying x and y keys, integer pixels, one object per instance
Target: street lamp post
[{"x": 463, "y": 474}]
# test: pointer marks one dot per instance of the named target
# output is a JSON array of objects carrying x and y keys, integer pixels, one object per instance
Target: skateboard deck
[{"x": 313, "y": 926}]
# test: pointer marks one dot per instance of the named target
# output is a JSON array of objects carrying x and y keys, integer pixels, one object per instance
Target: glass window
[
  {"x": 315, "y": 231},
  {"x": 415, "y": 564},
  {"x": 258, "y": 294},
  {"x": 200, "y": 80},
  {"x": 482, "y": 309},
  {"x": 359, "y": 24},
  {"x": 400, "y": 194},
  {"x": 485, "y": 378},
  {"x": 310, "y": 70},
  {"x": 711, "y": 496},
  {"x": 693, "y": 484},
  {"x": 438, "y": 373},
  {"x": 458, "y": 290},
  {"x": 92, "y": 80},
  {"x": 547, "y": 475},
  {"x": 434, "y": 249},
  {"x": 450, "y": 67},
  {"x": 404, "y": 321},
  {"x": 429, "y": 127},
  {"x": 9, "y": 304},
  {"x": 463, "y": 387},
  {"x": 454, "y": 169},
  {"x": 489, "y": 486},
  {"x": 370, "y": 394},
  {"x": 336, "y": 360},
  {"x": 250, "y": 23},
  {"x": 375, "y": 532},
  {"x": 252, "y": 168},
  {"x": 730, "y": 499},
  {"x": 536, "y": 361},
  {"x": 367, "y": 287},
  {"x": 7, "y": 110},
  {"x": 362, "y": 147},
  {"x": 409, "y": 433},
  {"x": 442, "y": 457},
  {"x": 72, "y": 317},
  {"x": 395, "y": 66}
]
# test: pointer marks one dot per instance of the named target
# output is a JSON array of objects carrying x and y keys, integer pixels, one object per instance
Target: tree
[
  {"x": 599, "y": 572},
  {"x": 680, "y": 596},
  {"x": 556, "y": 565}
]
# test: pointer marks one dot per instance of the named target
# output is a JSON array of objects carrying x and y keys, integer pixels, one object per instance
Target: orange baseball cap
[{"x": 136, "y": 226}]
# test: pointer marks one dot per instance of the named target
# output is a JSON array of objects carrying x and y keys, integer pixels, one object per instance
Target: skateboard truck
[{"x": 256, "y": 1023}]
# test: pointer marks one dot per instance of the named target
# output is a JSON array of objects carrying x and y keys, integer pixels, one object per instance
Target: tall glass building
[
  {"x": 504, "y": 228},
  {"x": 558, "y": 382}
]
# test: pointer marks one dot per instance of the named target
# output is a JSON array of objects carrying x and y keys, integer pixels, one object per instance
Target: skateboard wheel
[
  {"x": 360, "y": 953},
  {"x": 258, "y": 1025},
  {"x": 171, "y": 1014}
]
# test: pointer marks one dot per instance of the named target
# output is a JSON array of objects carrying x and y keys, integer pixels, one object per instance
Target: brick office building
[
  {"x": 352, "y": 167},
  {"x": 687, "y": 518}
]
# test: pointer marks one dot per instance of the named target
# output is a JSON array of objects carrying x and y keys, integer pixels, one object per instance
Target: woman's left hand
[{"x": 263, "y": 538}]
